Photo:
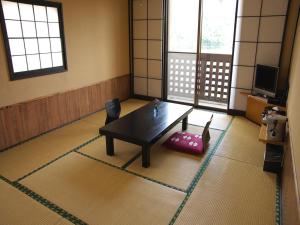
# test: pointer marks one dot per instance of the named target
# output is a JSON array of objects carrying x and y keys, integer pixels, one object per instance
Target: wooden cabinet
[{"x": 255, "y": 106}]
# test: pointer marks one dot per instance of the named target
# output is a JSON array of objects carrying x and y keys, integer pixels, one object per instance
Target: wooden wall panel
[
  {"x": 11, "y": 126},
  {"x": 57, "y": 118},
  {"x": 290, "y": 207},
  {"x": 25, "y": 120}
]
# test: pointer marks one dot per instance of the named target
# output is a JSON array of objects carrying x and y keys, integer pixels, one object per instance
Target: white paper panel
[
  {"x": 17, "y": 46},
  {"x": 52, "y": 14},
  {"x": 154, "y": 49},
  {"x": 44, "y": 45},
  {"x": 57, "y": 59},
  {"x": 268, "y": 54},
  {"x": 154, "y": 29},
  {"x": 13, "y": 28},
  {"x": 139, "y": 9},
  {"x": 33, "y": 62},
  {"x": 55, "y": 44},
  {"x": 274, "y": 7},
  {"x": 40, "y": 13},
  {"x": 242, "y": 77},
  {"x": 140, "y": 86},
  {"x": 154, "y": 69},
  {"x": 244, "y": 54},
  {"x": 31, "y": 46},
  {"x": 28, "y": 29},
  {"x": 10, "y": 10},
  {"x": 238, "y": 101},
  {"x": 54, "y": 29},
  {"x": 140, "y": 29},
  {"x": 140, "y": 67},
  {"x": 247, "y": 29},
  {"x": 46, "y": 61},
  {"x": 155, "y": 9},
  {"x": 154, "y": 88},
  {"x": 140, "y": 49},
  {"x": 26, "y": 12},
  {"x": 42, "y": 29},
  {"x": 267, "y": 33},
  {"x": 19, "y": 63},
  {"x": 249, "y": 7}
]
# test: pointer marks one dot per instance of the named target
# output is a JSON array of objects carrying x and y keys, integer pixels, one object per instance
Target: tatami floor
[{"x": 65, "y": 177}]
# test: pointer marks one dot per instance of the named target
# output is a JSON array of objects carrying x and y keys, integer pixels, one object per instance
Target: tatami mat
[
  {"x": 126, "y": 107},
  {"x": 241, "y": 143},
  {"x": 200, "y": 117},
  {"x": 24, "y": 158},
  {"x": 131, "y": 105},
  {"x": 64, "y": 222},
  {"x": 41, "y": 150},
  {"x": 17, "y": 208},
  {"x": 231, "y": 192},
  {"x": 172, "y": 167},
  {"x": 100, "y": 194},
  {"x": 207, "y": 207},
  {"x": 124, "y": 151},
  {"x": 225, "y": 175}
]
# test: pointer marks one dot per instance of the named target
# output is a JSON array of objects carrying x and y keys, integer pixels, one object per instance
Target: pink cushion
[{"x": 186, "y": 142}]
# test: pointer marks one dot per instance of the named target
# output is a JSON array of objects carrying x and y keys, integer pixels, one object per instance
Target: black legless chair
[
  {"x": 206, "y": 134},
  {"x": 113, "y": 110}
]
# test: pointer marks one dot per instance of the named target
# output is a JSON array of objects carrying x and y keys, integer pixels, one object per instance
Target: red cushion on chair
[{"x": 186, "y": 142}]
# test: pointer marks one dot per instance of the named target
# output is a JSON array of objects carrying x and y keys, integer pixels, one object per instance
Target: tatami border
[
  {"x": 127, "y": 171},
  {"x": 53, "y": 207},
  {"x": 68, "y": 215},
  {"x": 200, "y": 173},
  {"x": 59, "y": 157},
  {"x": 278, "y": 201},
  {"x": 188, "y": 191}
]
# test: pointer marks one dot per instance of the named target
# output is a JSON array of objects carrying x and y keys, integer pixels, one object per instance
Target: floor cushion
[{"x": 186, "y": 142}]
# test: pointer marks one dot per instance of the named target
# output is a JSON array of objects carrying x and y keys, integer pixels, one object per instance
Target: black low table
[{"x": 144, "y": 126}]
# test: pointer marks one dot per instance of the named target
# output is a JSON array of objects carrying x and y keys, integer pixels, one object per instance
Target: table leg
[
  {"x": 184, "y": 123},
  {"x": 146, "y": 156},
  {"x": 109, "y": 145}
]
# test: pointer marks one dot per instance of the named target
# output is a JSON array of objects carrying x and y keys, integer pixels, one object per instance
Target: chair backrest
[
  {"x": 206, "y": 134},
  {"x": 113, "y": 110}
]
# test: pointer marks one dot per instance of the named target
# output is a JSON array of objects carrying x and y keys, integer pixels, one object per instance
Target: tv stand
[{"x": 255, "y": 106}]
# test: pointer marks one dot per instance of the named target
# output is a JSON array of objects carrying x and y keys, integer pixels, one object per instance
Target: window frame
[{"x": 42, "y": 71}]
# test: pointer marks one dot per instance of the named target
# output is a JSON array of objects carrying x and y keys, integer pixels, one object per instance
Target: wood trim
[
  {"x": 290, "y": 195},
  {"x": 22, "y": 121}
]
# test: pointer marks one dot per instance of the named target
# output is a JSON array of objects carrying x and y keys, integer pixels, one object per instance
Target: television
[{"x": 266, "y": 80}]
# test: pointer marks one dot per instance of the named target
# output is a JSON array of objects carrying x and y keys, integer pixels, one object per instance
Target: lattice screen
[
  {"x": 213, "y": 79},
  {"x": 181, "y": 75}
]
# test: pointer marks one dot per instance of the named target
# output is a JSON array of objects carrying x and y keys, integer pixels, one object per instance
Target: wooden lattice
[
  {"x": 181, "y": 75},
  {"x": 212, "y": 79}
]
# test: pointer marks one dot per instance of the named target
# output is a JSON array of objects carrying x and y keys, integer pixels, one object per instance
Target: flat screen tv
[{"x": 266, "y": 80}]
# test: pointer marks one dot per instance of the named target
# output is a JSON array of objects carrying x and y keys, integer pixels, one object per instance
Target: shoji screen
[
  {"x": 259, "y": 33},
  {"x": 147, "y": 35}
]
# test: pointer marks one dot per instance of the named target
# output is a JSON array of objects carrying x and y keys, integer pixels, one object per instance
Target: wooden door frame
[{"x": 165, "y": 58}]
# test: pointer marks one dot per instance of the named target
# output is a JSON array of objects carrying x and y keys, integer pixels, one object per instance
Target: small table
[
  {"x": 263, "y": 137},
  {"x": 143, "y": 127}
]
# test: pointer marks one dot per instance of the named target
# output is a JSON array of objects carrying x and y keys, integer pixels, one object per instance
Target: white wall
[{"x": 293, "y": 109}]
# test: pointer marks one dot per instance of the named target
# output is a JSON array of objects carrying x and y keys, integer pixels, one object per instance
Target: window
[{"x": 34, "y": 37}]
